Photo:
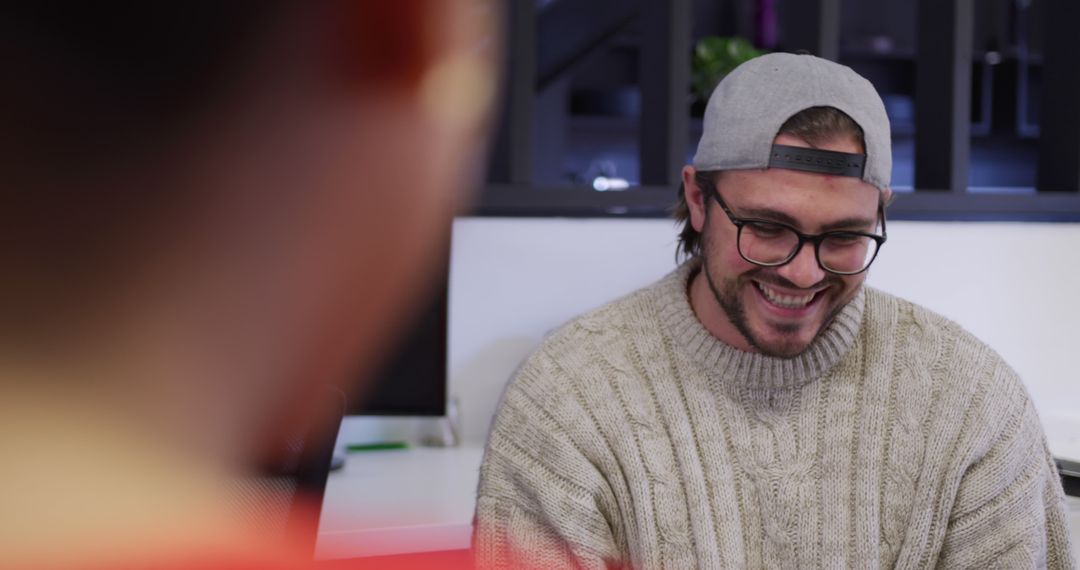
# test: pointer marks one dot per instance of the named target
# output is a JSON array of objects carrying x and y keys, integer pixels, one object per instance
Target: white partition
[{"x": 514, "y": 280}]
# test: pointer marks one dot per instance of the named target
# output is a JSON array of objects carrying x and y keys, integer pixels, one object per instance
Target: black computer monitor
[{"x": 412, "y": 381}]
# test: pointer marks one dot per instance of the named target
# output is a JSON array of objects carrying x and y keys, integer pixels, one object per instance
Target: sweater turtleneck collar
[{"x": 751, "y": 369}]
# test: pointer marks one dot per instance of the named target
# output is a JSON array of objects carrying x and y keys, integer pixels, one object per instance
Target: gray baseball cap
[{"x": 747, "y": 109}]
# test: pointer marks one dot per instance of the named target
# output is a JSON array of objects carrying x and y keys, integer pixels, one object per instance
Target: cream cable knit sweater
[{"x": 633, "y": 438}]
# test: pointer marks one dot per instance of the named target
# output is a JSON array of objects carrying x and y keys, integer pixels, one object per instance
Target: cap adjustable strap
[{"x": 817, "y": 160}]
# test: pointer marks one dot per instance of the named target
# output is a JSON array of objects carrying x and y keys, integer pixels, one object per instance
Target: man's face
[{"x": 779, "y": 311}]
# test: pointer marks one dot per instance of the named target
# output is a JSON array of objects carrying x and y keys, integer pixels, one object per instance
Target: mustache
[{"x": 768, "y": 276}]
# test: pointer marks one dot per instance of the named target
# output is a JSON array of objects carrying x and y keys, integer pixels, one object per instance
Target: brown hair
[{"x": 813, "y": 125}]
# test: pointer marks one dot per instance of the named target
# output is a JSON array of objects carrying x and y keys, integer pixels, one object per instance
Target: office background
[{"x": 600, "y": 115}]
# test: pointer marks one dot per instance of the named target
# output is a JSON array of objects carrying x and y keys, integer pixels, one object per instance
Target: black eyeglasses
[{"x": 772, "y": 244}]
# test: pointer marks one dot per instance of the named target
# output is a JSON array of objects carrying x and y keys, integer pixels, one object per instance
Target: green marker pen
[{"x": 380, "y": 446}]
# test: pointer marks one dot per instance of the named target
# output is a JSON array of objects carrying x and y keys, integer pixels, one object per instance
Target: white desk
[
  {"x": 1066, "y": 448},
  {"x": 421, "y": 500},
  {"x": 400, "y": 501}
]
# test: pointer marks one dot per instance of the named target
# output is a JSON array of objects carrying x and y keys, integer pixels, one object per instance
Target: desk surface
[
  {"x": 401, "y": 501},
  {"x": 1066, "y": 448},
  {"x": 422, "y": 500}
]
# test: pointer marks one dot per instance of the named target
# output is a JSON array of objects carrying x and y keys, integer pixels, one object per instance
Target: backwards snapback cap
[{"x": 747, "y": 109}]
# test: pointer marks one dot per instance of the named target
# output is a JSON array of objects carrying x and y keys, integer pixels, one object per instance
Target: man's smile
[{"x": 788, "y": 303}]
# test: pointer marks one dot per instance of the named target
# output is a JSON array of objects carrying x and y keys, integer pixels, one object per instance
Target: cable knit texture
[{"x": 633, "y": 438}]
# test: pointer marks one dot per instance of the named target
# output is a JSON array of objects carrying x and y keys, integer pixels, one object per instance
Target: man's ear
[
  {"x": 887, "y": 196},
  {"x": 395, "y": 45},
  {"x": 696, "y": 199},
  {"x": 379, "y": 45}
]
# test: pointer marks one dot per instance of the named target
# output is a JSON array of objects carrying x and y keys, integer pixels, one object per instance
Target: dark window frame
[{"x": 943, "y": 94}]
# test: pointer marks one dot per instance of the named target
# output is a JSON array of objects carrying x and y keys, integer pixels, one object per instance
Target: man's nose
[{"x": 803, "y": 271}]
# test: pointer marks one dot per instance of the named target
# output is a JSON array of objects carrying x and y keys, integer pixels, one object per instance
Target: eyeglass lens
[{"x": 772, "y": 244}]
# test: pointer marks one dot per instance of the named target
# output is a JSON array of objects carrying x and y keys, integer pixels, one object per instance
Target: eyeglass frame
[{"x": 815, "y": 239}]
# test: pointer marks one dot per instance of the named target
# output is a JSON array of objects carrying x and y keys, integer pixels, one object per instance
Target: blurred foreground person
[{"x": 208, "y": 209}]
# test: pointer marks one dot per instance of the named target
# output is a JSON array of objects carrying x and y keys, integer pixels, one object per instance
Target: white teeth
[{"x": 784, "y": 300}]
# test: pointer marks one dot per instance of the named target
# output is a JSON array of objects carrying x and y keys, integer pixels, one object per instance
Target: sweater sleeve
[
  {"x": 540, "y": 500},
  {"x": 1010, "y": 508}
]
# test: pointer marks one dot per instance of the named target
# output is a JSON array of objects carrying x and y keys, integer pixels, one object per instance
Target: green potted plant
[{"x": 714, "y": 57}]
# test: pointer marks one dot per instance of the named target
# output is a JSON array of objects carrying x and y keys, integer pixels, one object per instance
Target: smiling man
[
  {"x": 765, "y": 295},
  {"x": 759, "y": 407}
]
